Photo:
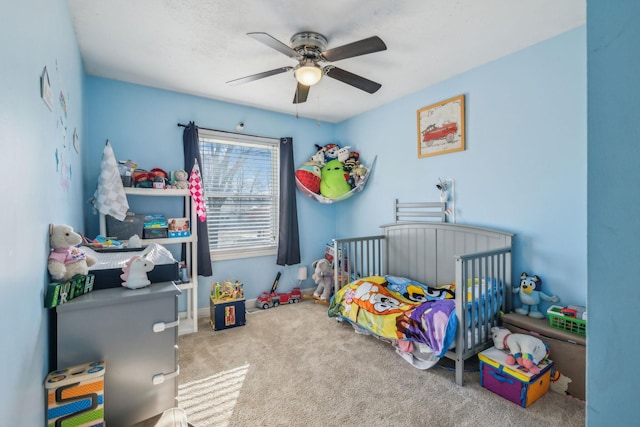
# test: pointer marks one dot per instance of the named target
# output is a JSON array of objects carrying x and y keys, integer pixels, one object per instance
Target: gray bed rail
[
  {"x": 357, "y": 257},
  {"x": 488, "y": 295}
]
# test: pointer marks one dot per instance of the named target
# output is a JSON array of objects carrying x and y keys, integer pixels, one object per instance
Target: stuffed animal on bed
[
  {"x": 323, "y": 277},
  {"x": 525, "y": 350},
  {"x": 65, "y": 259},
  {"x": 530, "y": 291}
]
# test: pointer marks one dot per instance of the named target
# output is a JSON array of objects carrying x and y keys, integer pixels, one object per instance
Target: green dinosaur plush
[{"x": 333, "y": 183}]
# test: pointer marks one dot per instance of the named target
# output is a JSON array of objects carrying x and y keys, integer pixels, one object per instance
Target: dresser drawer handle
[
  {"x": 161, "y": 326},
  {"x": 159, "y": 378}
]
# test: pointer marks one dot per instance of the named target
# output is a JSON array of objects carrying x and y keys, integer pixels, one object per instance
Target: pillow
[{"x": 415, "y": 291}]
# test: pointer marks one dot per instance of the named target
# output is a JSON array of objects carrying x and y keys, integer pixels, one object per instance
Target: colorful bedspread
[{"x": 400, "y": 309}]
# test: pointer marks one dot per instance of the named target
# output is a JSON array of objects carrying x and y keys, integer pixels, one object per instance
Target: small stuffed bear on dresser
[{"x": 65, "y": 259}]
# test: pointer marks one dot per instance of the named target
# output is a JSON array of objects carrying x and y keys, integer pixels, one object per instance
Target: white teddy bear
[
  {"x": 525, "y": 350},
  {"x": 65, "y": 259}
]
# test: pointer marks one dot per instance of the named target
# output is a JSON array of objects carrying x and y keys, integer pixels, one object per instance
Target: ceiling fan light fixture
[{"x": 308, "y": 74}]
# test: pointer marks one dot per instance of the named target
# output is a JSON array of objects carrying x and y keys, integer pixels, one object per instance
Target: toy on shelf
[
  {"x": 181, "y": 179},
  {"x": 530, "y": 291},
  {"x": 332, "y": 174},
  {"x": 524, "y": 350},
  {"x": 155, "y": 178},
  {"x": 65, "y": 259},
  {"x": 126, "y": 168}
]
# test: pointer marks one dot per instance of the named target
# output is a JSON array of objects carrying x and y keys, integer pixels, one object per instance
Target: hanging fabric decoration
[
  {"x": 197, "y": 192},
  {"x": 109, "y": 197}
]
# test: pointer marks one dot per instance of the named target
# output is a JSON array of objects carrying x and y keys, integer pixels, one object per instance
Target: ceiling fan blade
[
  {"x": 361, "y": 47},
  {"x": 275, "y": 44},
  {"x": 351, "y": 79},
  {"x": 258, "y": 76},
  {"x": 301, "y": 94}
]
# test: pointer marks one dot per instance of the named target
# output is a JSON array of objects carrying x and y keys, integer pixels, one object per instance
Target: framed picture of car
[{"x": 441, "y": 127}]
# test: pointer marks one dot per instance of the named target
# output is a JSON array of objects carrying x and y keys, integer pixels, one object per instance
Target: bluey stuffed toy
[{"x": 530, "y": 291}]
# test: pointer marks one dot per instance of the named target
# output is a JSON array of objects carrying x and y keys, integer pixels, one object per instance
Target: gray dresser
[{"x": 135, "y": 332}]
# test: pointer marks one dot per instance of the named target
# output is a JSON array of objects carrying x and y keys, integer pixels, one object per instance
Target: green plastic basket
[{"x": 567, "y": 323}]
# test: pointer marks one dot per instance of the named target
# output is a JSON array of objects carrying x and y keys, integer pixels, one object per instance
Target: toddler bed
[{"x": 433, "y": 289}]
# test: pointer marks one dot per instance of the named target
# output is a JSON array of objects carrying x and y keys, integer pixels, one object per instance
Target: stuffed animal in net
[
  {"x": 334, "y": 180},
  {"x": 323, "y": 277},
  {"x": 309, "y": 176},
  {"x": 182, "y": 179},
  {"x": 134, "y": 273},
  {"x": 530, "y": 291},
  {"x": 66, "y": 259},
  {"x": 524, "y": 350}
]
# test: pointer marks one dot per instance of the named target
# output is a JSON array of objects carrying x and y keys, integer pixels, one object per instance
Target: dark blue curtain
[
  {"x": 288, "y": 238},
  {"x": 191, "y": 153}
]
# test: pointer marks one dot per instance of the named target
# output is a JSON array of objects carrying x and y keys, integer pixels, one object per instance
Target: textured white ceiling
[{"x": 196, "y": 46}]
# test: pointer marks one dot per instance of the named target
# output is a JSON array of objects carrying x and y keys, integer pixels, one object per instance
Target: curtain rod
[{"x": 226, "y": 131}]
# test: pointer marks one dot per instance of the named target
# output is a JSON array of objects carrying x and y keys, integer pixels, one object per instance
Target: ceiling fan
[{"x": 308, "y": 48}]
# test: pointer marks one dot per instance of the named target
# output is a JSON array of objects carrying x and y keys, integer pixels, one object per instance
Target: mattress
[{"x": 109, "y": 263}]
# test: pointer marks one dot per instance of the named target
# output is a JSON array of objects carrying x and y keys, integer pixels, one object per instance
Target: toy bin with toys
[
  {"x": 571, "y": 318},
  {"x": 512, "y": 382},
  {"x": 75, "y": 395},
  {"x": 227, "y": 305}
]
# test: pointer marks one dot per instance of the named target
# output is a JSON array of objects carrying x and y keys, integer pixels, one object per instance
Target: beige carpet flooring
[{"x": 294, "y": 366}]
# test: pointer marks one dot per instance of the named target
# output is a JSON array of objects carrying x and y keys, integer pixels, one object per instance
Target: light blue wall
[
  {"x": 537, "y": 188},
  {"x": 141, "y": 124},
  {"x": 614, "y": 202},
  {"x": 524, "y": 169},
  {"x": 36, "y": 190}
]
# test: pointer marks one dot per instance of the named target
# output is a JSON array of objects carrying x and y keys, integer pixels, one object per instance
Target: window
[{"x": 241, "y": 190}]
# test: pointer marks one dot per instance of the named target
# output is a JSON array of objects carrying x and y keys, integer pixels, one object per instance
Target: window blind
[{"x": 240, "y": 175}]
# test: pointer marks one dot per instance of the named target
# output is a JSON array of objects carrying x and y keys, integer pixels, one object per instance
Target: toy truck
[{"x": 273, "y": 299}]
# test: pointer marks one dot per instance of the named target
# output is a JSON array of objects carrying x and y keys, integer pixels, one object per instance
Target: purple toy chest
[{"x": 510, "y": 382}]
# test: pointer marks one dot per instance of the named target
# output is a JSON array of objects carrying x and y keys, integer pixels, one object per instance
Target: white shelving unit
[{"x": 188, "y": 319}]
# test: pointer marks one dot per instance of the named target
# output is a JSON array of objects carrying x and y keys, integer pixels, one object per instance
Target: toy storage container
[
  {"x": 559, "y": 320},
  {"x": 75, "y": 395},
  {"x": 179, "y": 227},
  {"x": 123, "y": 230},
  {"x": 511, "y": 382},
  {"x": 226, "y": 314}
]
